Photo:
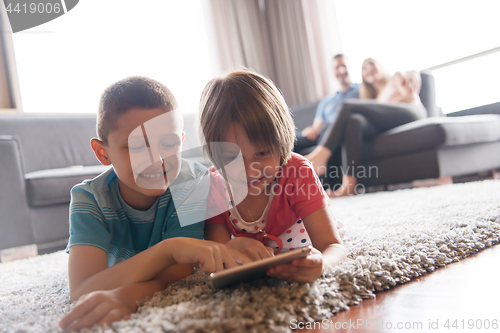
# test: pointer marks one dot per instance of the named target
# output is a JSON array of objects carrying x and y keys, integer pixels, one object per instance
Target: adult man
[{"x": 326, "y": 111}]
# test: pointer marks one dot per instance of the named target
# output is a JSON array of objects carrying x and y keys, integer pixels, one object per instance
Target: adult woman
[{"x": 385, "y": 102}]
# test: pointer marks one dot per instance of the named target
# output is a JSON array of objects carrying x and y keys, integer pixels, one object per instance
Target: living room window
[
  {"x": 64, "y": 65},
  {"x": 421, "y": 34},
  {"x": 469, "y": 83}
]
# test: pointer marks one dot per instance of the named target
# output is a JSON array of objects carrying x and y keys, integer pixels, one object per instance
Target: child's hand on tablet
[
  {"x": 302, "y": 270},
  {"x": 207, "y": 255},
  {"x": 250, "y": 247}
]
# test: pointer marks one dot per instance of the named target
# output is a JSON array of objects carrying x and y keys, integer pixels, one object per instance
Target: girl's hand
[
  {"x": 97, "y": 308},
  {"x": 302, "y": 270},
  {"x": 207, "y": 255},
  {"x": 401, "y": 85},
  {"x": 250, "y": 247},
  {"x": 413, "y": 81}
]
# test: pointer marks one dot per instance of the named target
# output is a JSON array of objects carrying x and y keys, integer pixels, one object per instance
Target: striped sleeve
[{"x": 87, "y": 223}]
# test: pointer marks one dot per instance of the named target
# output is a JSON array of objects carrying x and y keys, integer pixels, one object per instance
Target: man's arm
[
  {"x": 312, "y": 132},
  {"x": 317, "y": 124}
]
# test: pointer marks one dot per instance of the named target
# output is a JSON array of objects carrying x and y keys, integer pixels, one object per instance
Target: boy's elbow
[
  {"x": 76, "y": 292},
  {"x": 74, "y": 295}
]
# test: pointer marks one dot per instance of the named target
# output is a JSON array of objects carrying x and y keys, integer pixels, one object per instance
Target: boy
[{"x": 126, "y": 238}]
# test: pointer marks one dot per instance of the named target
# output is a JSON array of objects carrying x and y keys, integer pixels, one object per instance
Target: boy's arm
[
  {"x": 104, "y": 307},
  {"x": 88, "y": 271},
  {"x": 84, "y": 261},
  {"x": 133, "y": 293},
  {"x": 250, "y": 247}
]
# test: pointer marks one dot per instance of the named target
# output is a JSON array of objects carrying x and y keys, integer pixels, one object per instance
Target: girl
[{"x": 284, "y": 205}]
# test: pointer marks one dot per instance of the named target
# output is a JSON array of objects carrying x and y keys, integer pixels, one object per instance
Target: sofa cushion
[
  {"x": 53, "y": 186},
  {"x": 430, "y": 133}
]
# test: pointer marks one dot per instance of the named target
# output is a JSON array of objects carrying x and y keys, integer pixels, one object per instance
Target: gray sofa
[
  {"x": 458, "y": 144},
  {"x": 42, "y": 157}
]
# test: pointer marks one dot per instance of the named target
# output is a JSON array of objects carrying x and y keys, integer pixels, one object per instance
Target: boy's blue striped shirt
[{"x": 100, "y": 217}]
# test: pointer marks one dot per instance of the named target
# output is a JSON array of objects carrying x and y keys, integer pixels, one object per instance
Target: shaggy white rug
[{"x": 392, "y": 238}]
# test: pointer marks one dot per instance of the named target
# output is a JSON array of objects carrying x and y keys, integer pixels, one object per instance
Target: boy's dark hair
[{"x": 134, "y": 92}]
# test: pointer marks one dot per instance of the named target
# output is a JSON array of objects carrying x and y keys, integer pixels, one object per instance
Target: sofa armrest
[
  {"x": 303, "y": 115},
  {"x": 493, "y": 108},
  {"x": 15, "y": 216}
]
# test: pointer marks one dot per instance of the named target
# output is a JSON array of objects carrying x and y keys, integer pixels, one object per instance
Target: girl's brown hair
[{"x": 252, "y": 101}]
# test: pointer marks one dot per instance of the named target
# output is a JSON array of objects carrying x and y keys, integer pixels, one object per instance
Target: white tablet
[{"x": 256, "y": 269}]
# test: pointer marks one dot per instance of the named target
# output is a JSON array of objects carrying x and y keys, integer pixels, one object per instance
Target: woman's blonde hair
[
  {"x": 367, "y": 90},
  {"x": 246, "y": 98}
]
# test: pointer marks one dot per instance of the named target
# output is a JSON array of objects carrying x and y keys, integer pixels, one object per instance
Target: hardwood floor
[{"x": 463, "y": 295}]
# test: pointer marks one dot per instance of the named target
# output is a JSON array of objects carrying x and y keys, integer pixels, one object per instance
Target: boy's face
[{"x": 144, "y": 150}]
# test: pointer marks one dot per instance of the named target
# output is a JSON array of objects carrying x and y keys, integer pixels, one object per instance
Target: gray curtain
[
  {"x": 5, "y": 102},
  {"x": 284, "y": 40}
]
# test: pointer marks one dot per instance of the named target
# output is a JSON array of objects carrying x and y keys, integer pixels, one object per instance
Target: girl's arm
[
  {"x": 325, "y": 237},
  {"x": 328, "y": 250}
]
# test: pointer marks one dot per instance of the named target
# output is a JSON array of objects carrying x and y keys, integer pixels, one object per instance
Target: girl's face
[
  {"x": 371, "y": 71},
  {"x": 261, "y": 165}
]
